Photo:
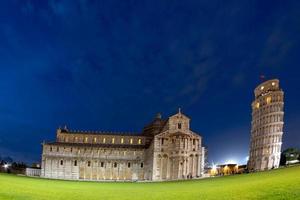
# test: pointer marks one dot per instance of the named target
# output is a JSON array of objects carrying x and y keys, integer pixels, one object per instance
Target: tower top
[{"x": 267, "y": 86}]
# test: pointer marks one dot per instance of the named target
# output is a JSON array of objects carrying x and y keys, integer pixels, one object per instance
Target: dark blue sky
[{"x": 113, "y": 65}]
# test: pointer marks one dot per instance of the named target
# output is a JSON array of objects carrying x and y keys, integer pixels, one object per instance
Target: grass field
[{"x": 275, "y": 184}]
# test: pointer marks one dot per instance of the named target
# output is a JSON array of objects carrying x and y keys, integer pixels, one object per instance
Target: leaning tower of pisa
[{"x": 266, "y": 126}]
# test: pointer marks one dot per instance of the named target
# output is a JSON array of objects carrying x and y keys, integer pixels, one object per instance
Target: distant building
[
  {"x": 290, "y": 156},
  {"x": 227, "y": 169},
  {"x": 33, "y": 171},
  {"x": 165, "y": 150},
  {"x": 267, "y": 126}
]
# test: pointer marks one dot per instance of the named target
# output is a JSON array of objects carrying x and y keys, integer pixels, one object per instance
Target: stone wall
[{"x": 92, "y": 163}]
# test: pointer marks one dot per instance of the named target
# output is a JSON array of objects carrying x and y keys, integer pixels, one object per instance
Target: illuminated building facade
[
  {"x": 267, "y": 126},
  {"x": 165, "y": 150}
]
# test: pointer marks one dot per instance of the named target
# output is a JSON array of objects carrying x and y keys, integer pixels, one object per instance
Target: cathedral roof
[
  {"x": 100, "y": 132},
  {"x": 87, "y": 145}
]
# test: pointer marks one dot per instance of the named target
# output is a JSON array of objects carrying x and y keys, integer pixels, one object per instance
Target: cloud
[
  {"x": 281, "y": 40},
  {"x": 276, "y": 49}
]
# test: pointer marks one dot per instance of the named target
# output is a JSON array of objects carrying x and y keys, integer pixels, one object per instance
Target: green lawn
[{"x": 275, "y": 184}]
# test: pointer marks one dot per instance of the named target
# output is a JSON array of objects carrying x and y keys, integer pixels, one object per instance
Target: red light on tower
[{"x": 262, "y": 77}]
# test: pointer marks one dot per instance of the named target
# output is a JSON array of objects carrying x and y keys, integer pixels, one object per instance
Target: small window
[
  {"x": 86, "y": 139},
  {"x": 128, "y": 165},
  {"x": 122, "y": 140},
  {"x": 89, "y": 163},
  {"x": 115, "y": 165},
  {"x": 71, "y": 149},
  {"x": 61, "y": 162},
  {"x": 102, "y": 164},
  {"x": 179, "y": 125},
  {"x": 131, "y": 140},
  {"x": 162, "y": 141},
  {"x": 139, "y": 141},
  {"x": 142, "y": 165},
  {"x": 113, "y": 140},
  {"x": 50, "y": 148},
  {"x": 104, "y": 140},
  {"x": 194, "y": 141},
  {"x": 57, "y": 149},
  {"x": 269, "y": 99},
  {"x": 75, "y": 163},
  {"x": 257, "y": 105},
  {"x": 262, "y": 87},
  {"x": 95, "y": 139}
]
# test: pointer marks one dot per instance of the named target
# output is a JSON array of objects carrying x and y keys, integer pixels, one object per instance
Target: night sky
[{"x": 112, "y": 65}]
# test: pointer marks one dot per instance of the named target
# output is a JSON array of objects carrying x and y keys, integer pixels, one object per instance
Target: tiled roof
[
  {"x": 101, "y": 132},
  {"x": 133, "y": 146}
]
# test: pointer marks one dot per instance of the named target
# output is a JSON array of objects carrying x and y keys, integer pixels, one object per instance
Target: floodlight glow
[
  {"x": 5, "y": 166},
  {"x": 214, "y": 167},
  {"x": 247, "y": 158}
]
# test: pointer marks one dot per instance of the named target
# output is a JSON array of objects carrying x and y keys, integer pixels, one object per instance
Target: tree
[{"x": 289, "y": 154}]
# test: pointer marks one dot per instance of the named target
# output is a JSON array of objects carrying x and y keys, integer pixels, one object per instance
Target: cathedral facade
[{"x": 167, "y": 149}]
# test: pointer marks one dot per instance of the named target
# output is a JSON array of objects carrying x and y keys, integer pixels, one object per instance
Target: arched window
[
  {"x": 75, "y": 162},
  {"x": 122, "y": 140},
  {"x": 104, "y": 140},
  {"x": 179, "y": 125},
  {"x": 257, "y": 105},
  {"x": 113, "y": 140},
  {"x": 89, "y": 163},
  {"x": 269, "y": 100},
  {"x": 139, "y": 141},
  {"x": 61, "y": 162},
  {"x": 115, "y": 165},
  {"x": 142, "y": 165},
  {"x": 128, "y": 165}
]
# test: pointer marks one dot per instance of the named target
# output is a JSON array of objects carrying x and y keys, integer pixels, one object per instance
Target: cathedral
[{"x": 166, "y": 149}]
